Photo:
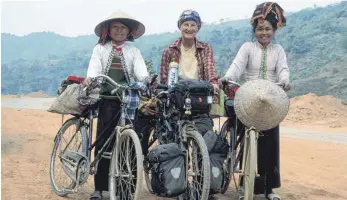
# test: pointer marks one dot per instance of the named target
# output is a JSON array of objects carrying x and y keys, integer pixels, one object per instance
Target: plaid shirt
[
  {"x": 133, "y": 103},
  {"x": 204, "y": 56},
  {"x": 134, "y": 98}
]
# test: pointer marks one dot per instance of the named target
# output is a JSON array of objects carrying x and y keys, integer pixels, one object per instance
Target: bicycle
[
  {"x": 240, "y": 141},
  {"x": 126, "y": 171},
  {"x": 242, "y": 157},
  {"x": 173, "y": 125}
]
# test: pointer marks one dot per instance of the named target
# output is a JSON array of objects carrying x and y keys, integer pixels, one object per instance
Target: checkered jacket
[
  {"x": 205, "y": 59},
  {"x": 134, "y": 98}
]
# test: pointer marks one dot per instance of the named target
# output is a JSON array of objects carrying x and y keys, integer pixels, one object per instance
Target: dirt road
[{"x": 313, "y": 163}]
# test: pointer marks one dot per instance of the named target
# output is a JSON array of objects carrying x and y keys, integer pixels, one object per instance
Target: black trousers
[
  {"x": 269, "y": 160},
  {"x": 109, "y": 114},
  {"x": 143, "y": 125}
]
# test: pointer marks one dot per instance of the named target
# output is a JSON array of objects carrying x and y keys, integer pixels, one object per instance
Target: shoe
[{"x": 96, "y": 195}]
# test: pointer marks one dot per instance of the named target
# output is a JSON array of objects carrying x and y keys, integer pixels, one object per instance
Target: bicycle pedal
[
  {"x": 107, "y": 155},
  {"x": 92, "y": 171},
  {"x": 69, "y": 191},
  {"x": 190, "y": 173}
]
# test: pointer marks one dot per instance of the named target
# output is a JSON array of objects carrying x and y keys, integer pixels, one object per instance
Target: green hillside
[{"x": 315, "y": 41}]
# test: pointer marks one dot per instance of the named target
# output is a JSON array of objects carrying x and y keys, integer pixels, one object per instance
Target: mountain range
[{"x": 315, "y": 41}]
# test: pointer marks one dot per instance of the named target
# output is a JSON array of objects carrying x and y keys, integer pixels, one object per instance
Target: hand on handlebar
[
  {"x": 224, "y": 81},
  {"x": 284, "y": 84},
  {"x": 89, "y": 83},
  {"x": 152, "y": 82}
]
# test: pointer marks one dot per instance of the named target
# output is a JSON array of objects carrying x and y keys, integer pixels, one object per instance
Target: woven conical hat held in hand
[{"x": 261, "y": 104}]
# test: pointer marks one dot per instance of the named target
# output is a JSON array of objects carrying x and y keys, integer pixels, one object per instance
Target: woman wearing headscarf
[
  {"x": 263, "y": 59},
  {"x": 195, "y": 60}
]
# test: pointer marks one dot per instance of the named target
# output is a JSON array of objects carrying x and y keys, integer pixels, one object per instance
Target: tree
[
  {"x": 344, "y": 42},
  {"x": 150, "y": 68},
  {"x": 344, "y": 39}
]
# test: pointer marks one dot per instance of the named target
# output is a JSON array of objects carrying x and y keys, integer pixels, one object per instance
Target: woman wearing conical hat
[
  {"x": 263, "y": 59},
  {"x": 113, "y": 34}
]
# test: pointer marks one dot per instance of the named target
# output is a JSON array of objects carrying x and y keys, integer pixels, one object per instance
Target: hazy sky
[{"x": 79, "y": 17}]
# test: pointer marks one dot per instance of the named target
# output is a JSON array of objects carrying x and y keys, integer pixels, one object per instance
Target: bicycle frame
[
  {"x": 184, "y": 122},
  {"x": 248, "y": 132},
  {"x": 124, "y": 122},
  {"x": 239, "y": 141},
  {"x": 242, "y": 143},
  {"x": 78, "y": 164}
]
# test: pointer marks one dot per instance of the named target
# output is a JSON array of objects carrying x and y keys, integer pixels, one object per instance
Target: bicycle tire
[
  {"x": 250, "y": 165},
  {"x": 146, "y": 172},
  {"x": 57, "y": 139},
  {"x": 196, "y": 136},
  {"x": 227, "y": 172},
  {"x": 114, "y": 161}
]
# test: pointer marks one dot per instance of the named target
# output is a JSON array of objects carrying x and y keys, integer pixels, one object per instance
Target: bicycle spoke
[
  {"x": 196, "y": 181},
  {"x": 67, "y": 140},
  {"x": 127, "y": 169}
]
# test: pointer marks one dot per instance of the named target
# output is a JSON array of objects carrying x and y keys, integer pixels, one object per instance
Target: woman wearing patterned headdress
[
  {"x": 123, "y": 63},
  {"x": 264, "y": 60}
]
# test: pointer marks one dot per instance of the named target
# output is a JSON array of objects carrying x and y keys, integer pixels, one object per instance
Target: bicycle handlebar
[
  {"x": 162, "y": 87},
  {"x": 234, "y": 83},
  {"x": 238, "y": 85},
  {"x": 116, "y": 85}
]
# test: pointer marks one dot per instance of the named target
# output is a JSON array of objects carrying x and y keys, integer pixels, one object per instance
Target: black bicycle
[
  {"x": 71, "y": 155},
  {"x": 173, "y": 124}
]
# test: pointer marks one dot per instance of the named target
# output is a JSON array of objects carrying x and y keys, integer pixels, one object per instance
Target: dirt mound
[
  {"x": 10, "y": 96},
  {"x": 39, "y": 94},
  {"x": 313, "y": 109}
]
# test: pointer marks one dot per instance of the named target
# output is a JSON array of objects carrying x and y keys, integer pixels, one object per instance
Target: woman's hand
[
  {"x": 216, "y": 88},
  {"x": 152, "y": 82},
  {"x": 222, "y": 81},
  {"x": 285, "y": 84},
  {"x": 89, "y": 83}
]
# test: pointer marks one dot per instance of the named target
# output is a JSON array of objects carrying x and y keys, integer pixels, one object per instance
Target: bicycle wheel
[
  {"x": 250, "y": 164},
  {"x": 199, "y": 177},
  {"x": 75, "y": 141},
  {"x": 227, "y": 132},
  {"x": 126, "y": 167},
  {"x": 148, "y": 177}
]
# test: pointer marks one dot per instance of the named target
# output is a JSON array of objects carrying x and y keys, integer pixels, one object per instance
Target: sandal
[
  {"x": 96, "y": 196},
  {"x": 212, "y": 197},
  {"x": 273, "y": 196}
]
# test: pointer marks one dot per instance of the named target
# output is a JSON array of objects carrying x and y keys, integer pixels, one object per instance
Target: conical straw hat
[
  {"x": 136, "y": 27},
  {"x": 261, "y": 104}
]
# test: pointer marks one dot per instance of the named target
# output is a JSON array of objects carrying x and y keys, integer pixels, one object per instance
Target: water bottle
[{"x": 173, "y": 73}]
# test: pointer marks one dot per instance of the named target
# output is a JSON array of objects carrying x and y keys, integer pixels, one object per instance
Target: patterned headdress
[{"x": 269, "y": 10}]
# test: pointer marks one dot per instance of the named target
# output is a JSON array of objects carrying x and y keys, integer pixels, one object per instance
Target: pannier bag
[{"x": 168, "y": 170}]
